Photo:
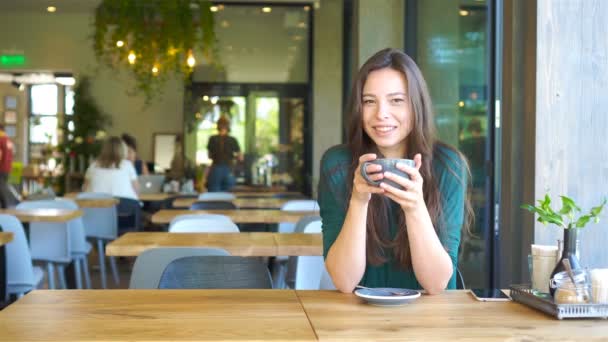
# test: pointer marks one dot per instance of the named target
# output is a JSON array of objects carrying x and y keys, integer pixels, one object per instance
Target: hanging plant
[{"x": 153, "y": 39}]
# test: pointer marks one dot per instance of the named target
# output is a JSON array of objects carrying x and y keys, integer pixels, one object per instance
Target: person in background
[
  {"x": 140, "y": 166},
  {"x": 111, "y": 173},
  {"x": 6, "y": 164},
  {"x": 383, "y": 236},
  {"x": 223, "y": 149}
]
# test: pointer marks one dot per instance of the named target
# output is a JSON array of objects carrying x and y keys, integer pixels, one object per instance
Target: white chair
[
  {"x": 101, "y": 224},
  {"x": 280, "y": 262},
  {"x": 216, "y": 217},
  {"x": 326, "y": 282},
  {"x": 296, "y": 205},
  {"x": 80, "y": 248},
  {"x": 216, "y": 196},
  {"x": 309, "y": 268},
  {"x": 150, "y": 265},
  {"x": 21, "y": 275},
  {"x": 203, "y": 223}
]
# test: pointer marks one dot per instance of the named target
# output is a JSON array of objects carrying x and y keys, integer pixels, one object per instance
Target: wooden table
[
  {"x": 452, "y": 316},
  {"x": 242, "y": 244},
  {"x": 254, "y": 203},
  {"x": 43, "y": 215},
  {"x": 96, "y": 202},
  {"x": 256, "y": 194},
  {"x": 277, "y": 315},
  {"x": 5, "y": 237},
  {"x": 156, "y": 315},
  {"x": 157, "y": 197},
  {"x": 237, "y": 216}
]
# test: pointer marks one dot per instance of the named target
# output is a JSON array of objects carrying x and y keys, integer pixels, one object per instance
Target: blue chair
[
  {"x": 216, "y": 272},
  {"x": 21, "y": 275},
  {"x": 150, "y": 265},
  {"x": 101, "y": 224},
  {"x": 212, "y": 205},
  {"x": 129, "y": 215},
  {"x": 78, "y": 248}
]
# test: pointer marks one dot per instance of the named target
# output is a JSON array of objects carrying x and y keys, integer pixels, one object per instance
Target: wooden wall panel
[{"x": 572, "y": 114}]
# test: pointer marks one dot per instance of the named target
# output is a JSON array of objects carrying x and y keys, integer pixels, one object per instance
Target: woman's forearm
[
  {"x": 431, "y": 263},
  {"x": 346, "y": 258}
]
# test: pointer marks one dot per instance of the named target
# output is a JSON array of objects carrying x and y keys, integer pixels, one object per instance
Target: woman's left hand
[{"x": 411, "y": 197}]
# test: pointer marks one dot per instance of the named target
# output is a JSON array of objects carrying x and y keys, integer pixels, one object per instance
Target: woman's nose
[{"x": 382, "y": 110}]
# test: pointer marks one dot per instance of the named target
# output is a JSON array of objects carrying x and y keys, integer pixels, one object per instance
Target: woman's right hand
[{"x": 362, "y": 191}]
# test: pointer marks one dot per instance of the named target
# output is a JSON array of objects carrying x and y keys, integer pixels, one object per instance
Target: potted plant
[{"x": 570, "y": 218}]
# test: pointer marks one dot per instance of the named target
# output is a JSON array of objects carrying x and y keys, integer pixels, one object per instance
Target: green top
[{"x": 333, "y": 201}]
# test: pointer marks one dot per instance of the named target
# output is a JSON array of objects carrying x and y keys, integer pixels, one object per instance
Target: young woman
[
  {"x": 381, "y": 236},
  {"x": 111, "y": 172}
]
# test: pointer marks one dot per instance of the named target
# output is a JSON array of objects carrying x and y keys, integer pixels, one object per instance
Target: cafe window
[{"x": 43, "y": 116}]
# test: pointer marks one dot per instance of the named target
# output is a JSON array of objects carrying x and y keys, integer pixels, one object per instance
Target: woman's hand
[
  {"x": 411, "y": 197},
  {"x": 362, "y": 191}
]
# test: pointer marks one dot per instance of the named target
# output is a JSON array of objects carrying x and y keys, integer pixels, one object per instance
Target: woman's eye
[
  {"x": 368, "y": 101},
  {"x": 398, "y": 101}
]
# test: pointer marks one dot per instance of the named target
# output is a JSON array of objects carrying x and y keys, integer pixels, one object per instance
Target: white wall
[{"x": 571, "y": 119}]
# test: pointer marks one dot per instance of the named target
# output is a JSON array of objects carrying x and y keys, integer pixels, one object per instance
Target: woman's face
[{"x": 387, "y": 114}]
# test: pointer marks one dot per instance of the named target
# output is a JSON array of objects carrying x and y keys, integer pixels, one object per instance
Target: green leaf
[
  {"x": 597, "y": 210},
  {"x": 568, "y": 206},
  {"x": 583, "y": 220}
]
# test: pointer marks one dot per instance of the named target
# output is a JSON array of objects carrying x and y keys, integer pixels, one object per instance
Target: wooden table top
[
  {"x": 257, "y": 203},
  {"x": 43, "y": 215},
  {"x": 156, "y": 315},
  {"x": 452, "y": 316},
  {"x": 96, "y": 202},
  {"x": 5, "y": 237},
  {"x": 237, "y": 216},
  {"x": 242, "y": 244},
  {"x": 256, "y": 194}
]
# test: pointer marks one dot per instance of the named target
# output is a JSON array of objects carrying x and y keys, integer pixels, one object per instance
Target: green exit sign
[{"x": 12, "y": 60}]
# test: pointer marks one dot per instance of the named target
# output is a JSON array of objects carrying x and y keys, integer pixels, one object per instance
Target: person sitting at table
[
  {"x": 382, "y": 236},
  {"x": 111, "y": 172},
  {"x": 140, "y": 167}
]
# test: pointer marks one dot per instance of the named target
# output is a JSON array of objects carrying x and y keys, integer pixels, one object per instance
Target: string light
[
  {"x": 191, "y": 61},
  {"x": 131, "y": 57},
  {"x": 120, "y": 43},
  {"x": 155, "y": 70}
]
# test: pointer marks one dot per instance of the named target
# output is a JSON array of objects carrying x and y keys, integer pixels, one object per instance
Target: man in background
[{"x": 6, "y": 162}]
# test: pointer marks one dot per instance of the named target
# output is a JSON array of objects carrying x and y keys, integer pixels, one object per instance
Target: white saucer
[{"x": 379, "y": 297}]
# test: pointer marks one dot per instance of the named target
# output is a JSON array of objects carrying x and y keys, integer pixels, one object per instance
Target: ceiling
[
  {"x": 69, "y": 6},
  {"x": 75, "y": 6}
]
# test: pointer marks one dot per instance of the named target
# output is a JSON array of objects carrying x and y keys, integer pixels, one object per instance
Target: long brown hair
[
  {"x": 112, "y": 153},
  {"x": 422, "y": 139}
]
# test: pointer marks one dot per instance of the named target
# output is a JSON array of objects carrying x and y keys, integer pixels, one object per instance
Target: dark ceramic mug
[{"x": 390, "y": 165}]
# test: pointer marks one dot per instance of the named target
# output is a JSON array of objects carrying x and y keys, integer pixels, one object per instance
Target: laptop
[{"x": 151, "y": 184}]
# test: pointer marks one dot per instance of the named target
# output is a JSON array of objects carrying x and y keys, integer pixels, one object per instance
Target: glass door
[
  {"x": 268, "y": 125},
  {"x": 452, "y": 43}
]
